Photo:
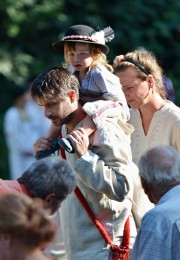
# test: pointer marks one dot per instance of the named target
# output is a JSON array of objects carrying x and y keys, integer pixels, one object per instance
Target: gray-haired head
[
  {"x": 50, "y": 175},
  {"x": 159, "y": 167}
]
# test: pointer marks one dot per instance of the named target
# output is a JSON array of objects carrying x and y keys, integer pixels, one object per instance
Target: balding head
[{"x": 159, "y": 169}]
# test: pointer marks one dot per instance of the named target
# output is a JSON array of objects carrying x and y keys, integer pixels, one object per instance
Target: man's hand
[{"x": 79, "y": 140}]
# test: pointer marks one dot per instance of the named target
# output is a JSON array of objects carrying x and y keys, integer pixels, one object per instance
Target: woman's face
[{"x": 136, "y": 91}]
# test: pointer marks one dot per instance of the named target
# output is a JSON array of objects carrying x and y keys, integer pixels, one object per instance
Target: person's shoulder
[
  {"x": 171, "y": 197},
  {"x": 134, "y": 113},
  {"x": 3, "y": 185},
  {"x": 167, "y": 209},
  {"x": 157, "y": 217},
  {"x": 7, "y": 186},
  {"x": 1, "y": 181},
  {"x": 171, "y": 107},
  {"x": 156, "y": 224},
  {"x": 173, "y": 112},
  {"x": 101, "y": 70},
  {"x": 98, "y": 69},
  {"x": 11, "y": 111}
]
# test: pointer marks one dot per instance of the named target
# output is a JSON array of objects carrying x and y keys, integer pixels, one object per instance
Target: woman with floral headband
[
  {"x": 156, "y": 120},
  {"x": 85, "y": 55}
]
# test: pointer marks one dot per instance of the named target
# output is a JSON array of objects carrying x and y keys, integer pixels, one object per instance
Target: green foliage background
[{"x": 28, "y": 28}]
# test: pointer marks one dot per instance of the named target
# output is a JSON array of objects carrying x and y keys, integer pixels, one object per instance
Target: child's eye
[
  {"x": 71, "y": 54},
  {"x": 84, "y": 53}
]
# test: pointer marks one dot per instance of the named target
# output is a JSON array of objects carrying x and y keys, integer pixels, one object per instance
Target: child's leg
[
  {"x": 53, "y": 135},
  {"x": 54, "y": 132},
  {"x": 89, "y": 128},
  {"x": 88, "y": 125}
]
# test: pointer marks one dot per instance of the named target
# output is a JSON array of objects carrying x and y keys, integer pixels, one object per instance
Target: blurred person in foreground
[
  {"x": 102, "y": 163},
  {"x": 52, "y": 180},
  {"x": 159, "y": 234},
  {"x": 25, "y": 228}
]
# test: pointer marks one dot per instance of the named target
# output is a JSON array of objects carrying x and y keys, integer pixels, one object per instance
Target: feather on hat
[{"x": 86, "y": 34}]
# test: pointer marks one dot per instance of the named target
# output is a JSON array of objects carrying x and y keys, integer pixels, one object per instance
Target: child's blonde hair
[{"x": 99, "y": 58}]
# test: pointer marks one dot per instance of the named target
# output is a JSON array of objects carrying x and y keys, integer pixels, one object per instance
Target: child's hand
[
  {"x": 42, "y": 144},
  {"x": 118, "y": 60}
]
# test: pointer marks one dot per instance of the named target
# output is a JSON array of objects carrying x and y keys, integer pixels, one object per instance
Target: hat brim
[{"x": 59, "y": 45}]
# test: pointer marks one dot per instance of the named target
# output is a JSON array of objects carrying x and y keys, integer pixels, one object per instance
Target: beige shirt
[
  {"x": 164, "y": 130},
  {"x": 100, "y": 178}
]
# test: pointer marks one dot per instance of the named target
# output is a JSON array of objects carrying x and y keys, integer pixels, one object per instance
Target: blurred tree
[{"x": 28, "y": 28}]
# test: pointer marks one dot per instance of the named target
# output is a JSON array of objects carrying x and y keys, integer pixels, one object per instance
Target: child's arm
[
  {"x": 88, "y": 125},
  {"x": 53, "y": 132},
  {"x": 85, "y": 99},
  {"x": 51, "y": 142}
]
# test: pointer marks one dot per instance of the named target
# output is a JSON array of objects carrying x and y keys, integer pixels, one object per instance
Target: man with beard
[{"x": 102, "y": 163}]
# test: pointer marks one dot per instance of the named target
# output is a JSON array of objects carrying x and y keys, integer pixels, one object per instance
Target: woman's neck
[
  {"x": 153, "y": 105},
  {"x": 148, "y": 110}
]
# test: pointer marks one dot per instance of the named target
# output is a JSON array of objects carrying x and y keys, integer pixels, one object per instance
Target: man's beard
[
  {"x": 68, "y": 119},
  {"x": 63, "y": 121}
]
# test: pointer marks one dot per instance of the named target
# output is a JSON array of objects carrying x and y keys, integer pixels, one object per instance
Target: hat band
[{"x": 78, "y": 37}]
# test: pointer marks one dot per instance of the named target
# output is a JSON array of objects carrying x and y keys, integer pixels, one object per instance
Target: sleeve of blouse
[
  {"x": 176, "y": 135},
  {"x": 108, "y": 84}
]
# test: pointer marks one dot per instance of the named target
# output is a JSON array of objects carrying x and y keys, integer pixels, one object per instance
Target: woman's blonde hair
[
  {"x": 99, "y": 58},
  {"x": 145, "y": 64}
]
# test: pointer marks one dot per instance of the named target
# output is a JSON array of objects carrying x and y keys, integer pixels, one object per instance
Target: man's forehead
[{"x": 50, "y": 100}]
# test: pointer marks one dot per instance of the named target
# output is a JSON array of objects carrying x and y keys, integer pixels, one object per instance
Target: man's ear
[
  {"x": 49, "y": 199},
  {"x": 72, "y": 95}
]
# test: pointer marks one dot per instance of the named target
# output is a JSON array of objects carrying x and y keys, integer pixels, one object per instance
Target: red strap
[
  {"x": 91, "y": 215},
  {"x": 126, "y": 235},
  {"x": 80, "y": 196},
  {"x": 63, "y": 155}
]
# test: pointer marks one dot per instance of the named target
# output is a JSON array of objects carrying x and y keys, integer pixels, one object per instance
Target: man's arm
[{"x": 105, "y": 165}]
